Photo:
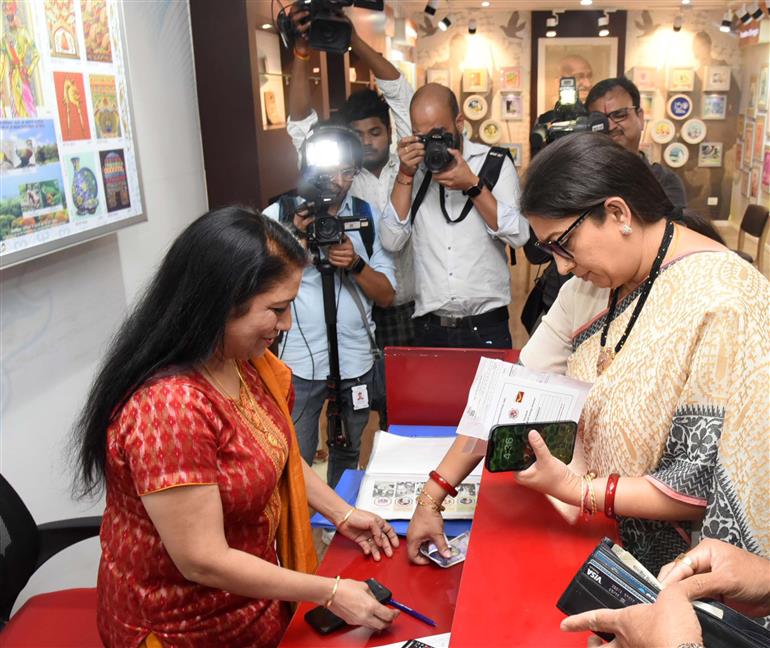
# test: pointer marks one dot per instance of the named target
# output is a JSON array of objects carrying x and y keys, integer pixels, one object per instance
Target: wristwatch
[
  {"x": 475, "y": 190},
  {"x": 357, "y": 266}
]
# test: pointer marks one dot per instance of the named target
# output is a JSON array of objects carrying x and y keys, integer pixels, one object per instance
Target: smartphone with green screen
[{"x": 508, "y": 448}]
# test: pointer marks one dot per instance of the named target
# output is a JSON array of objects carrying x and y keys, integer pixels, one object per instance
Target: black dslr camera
[
  {"x": 568, "y": 116},
  {"x": 437, "y": 144},
  {"x": 329, "y": 30}
]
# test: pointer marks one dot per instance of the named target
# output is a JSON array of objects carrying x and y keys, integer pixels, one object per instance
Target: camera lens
[{"x": 326, "y": 229}]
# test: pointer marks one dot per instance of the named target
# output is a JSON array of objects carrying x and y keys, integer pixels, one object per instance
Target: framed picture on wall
[
  {"x": 717, "y": 78},
  {"x": 754, "y": 183},
  {"x": 762, "y": 88},
  {"x": 442, "y": 76},
  {"x": 588, "y": 59},
  {"x": 748, "y": 144},
  {"x": 710, "y": 154},
  {"x": 511, "y": 106},
  {"x": 645, "y": 78},
  {"x": 681, "y": 79},
  {"x": 714, "y": 106},
  {"x": 510, "y": 78},
  {"x": 759, "y": 137},
  {"x": 766, "y": 171},
  {"x": 517, "y": 153},
  {"x": 475, "y": 80},
  {"x": 647, "y": 103}
]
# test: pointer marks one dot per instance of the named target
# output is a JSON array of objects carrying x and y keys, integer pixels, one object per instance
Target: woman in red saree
[{"x": 206, "y": 537}]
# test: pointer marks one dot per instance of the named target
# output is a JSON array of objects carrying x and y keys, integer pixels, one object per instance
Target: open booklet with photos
[{"x": 612, "y": 578}]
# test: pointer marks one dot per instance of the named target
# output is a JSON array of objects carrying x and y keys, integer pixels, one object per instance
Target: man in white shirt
[
  {"x": 367, "y": 113},
  {"x": 461, "y": 272}
]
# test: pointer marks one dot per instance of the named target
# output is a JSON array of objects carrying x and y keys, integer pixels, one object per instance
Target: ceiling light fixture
[
  {"x": 472, "y": 26},
  {"x": 678, "y": 20},
  {"x": 550, "y": 24},
  {"x": 586, "y": 3},
  {"x": 431, "y": 7},
  {"x": 757, "y": 14},
  {"x": 727, "y": 22},
  {"x": 744, "y": 14},
  {"x": 267, "y": 26},
  {"x": 685, "y": 2},
  {"x": 445, "y": 23},
  {"x": 603, "y": 23},
  {"x": 485, "y": 4}
]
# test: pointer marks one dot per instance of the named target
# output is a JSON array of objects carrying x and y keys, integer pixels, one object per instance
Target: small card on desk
[{"x": 457, "y": 545}]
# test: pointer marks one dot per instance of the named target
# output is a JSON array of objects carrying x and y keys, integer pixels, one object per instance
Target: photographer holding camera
[
  {"x": 364, "y": 275},
  {"x": 458, "y": 227}
]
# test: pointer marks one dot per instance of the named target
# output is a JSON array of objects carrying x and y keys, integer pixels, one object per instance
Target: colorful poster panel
[
  {"x": 759, "y": 137},
  {"x": 62, "y": 35},
  {"x": 113, "y": 165},
  {"x": 766, "y": 171},
  {"x": 71, "y": 101},
  {"x": 82, "y": 170},
  {"x": 104, "y": 99},
  {"x": 31, "y": 187},
  {"x": 20, "y": 93},
  {"x": 96, "y": 29}
]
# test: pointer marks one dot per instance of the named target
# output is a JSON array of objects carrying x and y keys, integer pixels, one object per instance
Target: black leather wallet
[{"x": 606, "y": 580}]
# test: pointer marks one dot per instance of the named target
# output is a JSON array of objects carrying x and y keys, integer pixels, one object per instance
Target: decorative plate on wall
[
  {"x": 679, "y": 106},
  {"x": 693, "y": 131},
  {"x": 662, "y": 131},
  {"x": 491, "y": 131},
  {"x": 467, "y": 129},
  {"x": 676, "y": 155},
  {"x": 475, "y": 107}
]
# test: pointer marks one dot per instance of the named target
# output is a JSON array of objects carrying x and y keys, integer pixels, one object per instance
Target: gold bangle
[
  {"x": 433, "y": 503},
  {"x": 589, "y": 477},
  {"x": 347, "y": 517},
  {"x": 334, "y": 591},
  {"x": 301, "y": 57}
]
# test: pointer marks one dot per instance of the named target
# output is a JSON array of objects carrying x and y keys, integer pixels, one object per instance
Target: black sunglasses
[{"x": 557, "y": 247}]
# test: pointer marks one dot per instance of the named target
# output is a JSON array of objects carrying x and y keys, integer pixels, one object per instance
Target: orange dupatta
[{"x": 294, "y": 538}]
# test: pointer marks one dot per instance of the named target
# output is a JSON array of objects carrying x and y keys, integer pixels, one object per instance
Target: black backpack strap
[
  {"x": 420, "y": 194},
  {"x": 362, "y": 208},
  {"x": 489, "y": 172}
]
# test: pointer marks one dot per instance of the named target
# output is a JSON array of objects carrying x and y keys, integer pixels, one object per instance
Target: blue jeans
[{"x": 309, "y": 397}]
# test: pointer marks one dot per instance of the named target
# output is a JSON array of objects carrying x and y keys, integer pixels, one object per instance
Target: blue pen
[{"x": 411, "y": 612}]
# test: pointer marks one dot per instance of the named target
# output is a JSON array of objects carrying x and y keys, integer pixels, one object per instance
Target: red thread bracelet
[
  {"x": 443, "y": 483},
  {"x": 609, "y": 495}
]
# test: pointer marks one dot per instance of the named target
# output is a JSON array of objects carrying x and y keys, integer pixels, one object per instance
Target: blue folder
[{"x": 350, "y": 482}]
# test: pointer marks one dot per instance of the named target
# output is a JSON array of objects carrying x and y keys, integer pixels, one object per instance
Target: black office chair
[
  {"x": 753, "y": 223},
  {"x": 24, "y": 547}
]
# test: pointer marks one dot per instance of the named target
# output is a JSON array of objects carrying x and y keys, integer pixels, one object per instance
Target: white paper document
[
  {"x": 397, "y": 471},
  {"x": 503, "y": 392}
]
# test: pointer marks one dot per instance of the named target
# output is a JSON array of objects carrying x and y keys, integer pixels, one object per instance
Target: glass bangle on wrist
[
  {"x": 609, "y": 495},
  {"x": 451, "y": 490}
]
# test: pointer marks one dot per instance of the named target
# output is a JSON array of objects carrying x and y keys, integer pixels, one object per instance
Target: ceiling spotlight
[
  {"x": 685, "y": 2},
  {"x": 603, "y": 22},
  {"x": 757, "y": 14},
  {"x": 744, "y": 14},
  {"x": 431, "y": 7},
  {"x": 445, "y": 23},
  {"x": 267, "y": 26},
  {"x": 550, "y": 24},
  {"x": 727, "y": 22},
  {"x": 485, "y": 4},
  {"x": 472, "y": 26},
  {"x": 585, "y": 3},
  {"x": 678, "y": 23}
]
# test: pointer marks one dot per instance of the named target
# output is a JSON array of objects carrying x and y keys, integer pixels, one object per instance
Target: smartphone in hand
[
  {"x": 325, "y": 621},
  {"x": 509, "y": 450}
]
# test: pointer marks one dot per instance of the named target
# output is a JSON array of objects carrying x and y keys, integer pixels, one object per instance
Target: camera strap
[
  {"x": 489, "y": 173},
  {"x": 351, "y": 288}
]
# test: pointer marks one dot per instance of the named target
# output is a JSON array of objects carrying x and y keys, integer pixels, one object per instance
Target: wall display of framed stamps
[
  {"x": 676, "y": 155},
  {"x": 710, "y": 154},
  {"x": 475, "y": 80},
  {"x": 645, "y": 78},
  {"x": 663, "y": 131},
  {"x": 693, "y": 131},
  {"x": 759, "y": 137},
  {"x": 510, "y": 78},
  {"x": 511, "y": 106},
  {"x": 766, "y": 170},
  {"x": 475, "y": 107},
  {"x": 679, "y": 106},
  {"x": 717, "y": 78},
  {"x": 442, "y": 76},
  {"x": 714, "y": 106},
  {"x": 681, "y": 79},
  {"x": 762, "y": 88},
  {"x": 647, "y": 103},
  {"x": 490, "y": 131}
]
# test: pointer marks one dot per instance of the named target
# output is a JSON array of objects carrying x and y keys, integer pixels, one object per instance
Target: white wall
[{"x": 58, "y": 313}]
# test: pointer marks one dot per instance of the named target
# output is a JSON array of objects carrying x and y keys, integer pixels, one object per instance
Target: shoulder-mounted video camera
[
  {"x": 437, "y": 144},
  {"x": 329, "y": 152},
  {"x": 330, "y": 31},
  {"x": 568, "y": 116}
]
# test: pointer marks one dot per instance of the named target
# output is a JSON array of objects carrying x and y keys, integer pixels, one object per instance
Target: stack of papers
[
  {"x": 397, "y": 471},
  {"x": 504, "y": 393}
]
